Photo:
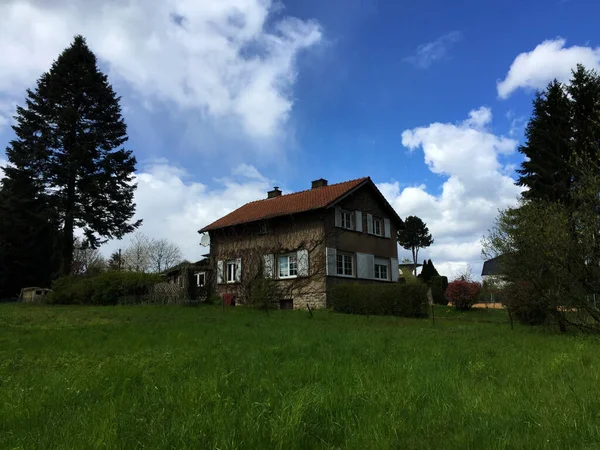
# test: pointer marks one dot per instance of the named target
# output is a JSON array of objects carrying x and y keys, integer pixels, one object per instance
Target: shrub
[
  {"x": 463, "y": 294},
  {"x": 108, "y": 288},
  {"x": 394, "y": 299},
  {"x": 439, "y": 285},
  {"x": 263, "y": 293},
  {"x": 524, "y": 303}
]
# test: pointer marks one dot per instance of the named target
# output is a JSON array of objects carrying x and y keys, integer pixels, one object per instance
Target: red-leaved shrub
[{"x": 463, "y": 294}]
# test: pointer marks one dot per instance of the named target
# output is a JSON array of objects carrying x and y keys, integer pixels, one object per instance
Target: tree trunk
[{"x": 67, "y": 247}]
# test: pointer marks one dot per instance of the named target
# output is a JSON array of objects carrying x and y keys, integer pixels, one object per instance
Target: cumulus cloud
[
  {"x": 549, "y": 60},
  {"x": 174, "y": 207},
  {"x": 227, "y": 59},
  {"x": 427, "y": 54},
  {"x": 469, "y": 156}
]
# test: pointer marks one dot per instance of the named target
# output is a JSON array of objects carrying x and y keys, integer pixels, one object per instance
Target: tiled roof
[{"x": 296, "y": 202}]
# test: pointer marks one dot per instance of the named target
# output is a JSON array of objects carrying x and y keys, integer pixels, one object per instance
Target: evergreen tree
[
  {"x": 563, "y": 138},
  {"x": 584, "y": 91},
  {"x": 115, "y": 262},
  {"x": 432, "y": 270},
  {"x": 29, "y": 235},
  {"x": 548, "y": 146},
  {"x": 69, "y": 136},
  {"x": 413, "y": 236}
]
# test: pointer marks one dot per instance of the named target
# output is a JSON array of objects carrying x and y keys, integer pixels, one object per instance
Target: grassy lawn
[{"x": 176, "y": 377}]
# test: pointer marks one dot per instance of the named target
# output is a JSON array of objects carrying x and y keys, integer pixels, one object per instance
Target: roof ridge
[
  {"x": 293, "y": 202},
  {"x": 305, "y": 190}
]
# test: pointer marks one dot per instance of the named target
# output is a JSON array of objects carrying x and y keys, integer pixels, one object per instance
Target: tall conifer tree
[{"x": 69, "y": 137}]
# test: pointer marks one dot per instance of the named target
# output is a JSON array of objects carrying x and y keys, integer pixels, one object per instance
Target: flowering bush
[{"x": 463, "y": 294}]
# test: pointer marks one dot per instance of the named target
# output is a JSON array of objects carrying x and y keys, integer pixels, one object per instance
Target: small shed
[{"x": 33, "y": 294}]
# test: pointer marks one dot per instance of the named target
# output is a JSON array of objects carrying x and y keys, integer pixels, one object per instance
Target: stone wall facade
[{"x": 281, "y": 236}]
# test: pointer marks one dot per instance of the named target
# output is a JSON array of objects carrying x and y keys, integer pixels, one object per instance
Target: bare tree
[
  {"x": 465, "y": 274},
  {"x": 86, "y": 260},
  {"x": 136, "y": 257},
  {"x": 163, "y": 255}
]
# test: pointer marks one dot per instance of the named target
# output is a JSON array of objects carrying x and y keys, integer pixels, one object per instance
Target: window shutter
[
  {"x": 269, "y": 266},
  {"x": 338, "y": 216},
  {"x": 302, "y": 259},
  {"x": 330, "y": 261},
  {"x": 238, "y": 270},
  {"x": 370, "y": 223},
  {"x": 394, "y": 269},
  {"x": 387, "y": 228},
  {"x": 362, "y": 265},
  {"x": 370, "y": 267},
  {"x": 219, "y": 272},
  {"x": 358, "y": 221}
]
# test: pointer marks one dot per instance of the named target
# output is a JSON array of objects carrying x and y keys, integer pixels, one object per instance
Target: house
[
  {"x": 491, "y": 269},
  {"x": 407, "y": 267},
  {"x": 179, "y": 273},
  {"x": 307, "y": 242}
]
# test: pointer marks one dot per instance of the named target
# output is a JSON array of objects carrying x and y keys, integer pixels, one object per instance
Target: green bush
[
  {"x": 394, "y": 299},
  {"x": 438, "y": 289},
  {"x": 263, "y": 293},
  {"x": 108, "y": 288},
  {"x": 524, "y": 303}
]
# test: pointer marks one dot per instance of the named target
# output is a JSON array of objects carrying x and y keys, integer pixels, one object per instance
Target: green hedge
[
  {"x": 105, "y": 289},
  {"x": 438, "y": 289},
  {"x": 394, "y": 299}
]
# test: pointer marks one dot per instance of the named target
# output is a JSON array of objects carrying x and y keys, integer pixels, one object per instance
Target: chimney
[
  {"x": 321, "y": 182},
  {"x": 274, "y": 193}
]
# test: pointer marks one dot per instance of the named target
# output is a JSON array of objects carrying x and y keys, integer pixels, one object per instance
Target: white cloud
[
  {"x": 427, "y": 54},
  {"x": 227, "y": 58},
  {"x": 175, "y": 208},
  {"x": 549, "y": 60},
  {"x": 468, "y": 155}
]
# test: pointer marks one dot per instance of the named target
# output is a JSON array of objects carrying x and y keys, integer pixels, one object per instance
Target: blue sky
[{"x": 428, "y": 98}]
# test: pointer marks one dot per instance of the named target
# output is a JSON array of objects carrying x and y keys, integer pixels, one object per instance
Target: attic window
[
  {"x": 347, "y": 220},
  {"x": 377, "y": 226}
]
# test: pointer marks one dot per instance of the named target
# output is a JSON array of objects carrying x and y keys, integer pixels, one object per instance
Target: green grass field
[{"x": 201, "y": 378}]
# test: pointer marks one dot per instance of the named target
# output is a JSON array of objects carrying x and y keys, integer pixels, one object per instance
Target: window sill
[
  {"x": 343, "y": 276},
  {"x": 378, "y": 236},
  {"x": 291, "y": 277}
]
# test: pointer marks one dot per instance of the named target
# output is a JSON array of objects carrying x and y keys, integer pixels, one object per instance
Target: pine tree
[
  {"x": 413, "y": 236},
  {"x": 69, "y": 137},
  {"x": 115, "y": 262},
  {"x": 548, "y": 148},
  {"x": 29, "y": 236},
  {"x": 584, "y": 91},
  {"x": 432, "y": 270}
]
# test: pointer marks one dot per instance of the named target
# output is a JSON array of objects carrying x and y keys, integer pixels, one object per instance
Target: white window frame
[
  {"x": 203, "y": 276},
  {"x": 345, "y": 257},
  {"x": 228, "y": 264},
  {"x": 346, "y": 218},
  {"x": 377, "y": 222},
  {"x": 379, "y": 264},
  {"x": 289, "y": 266}
]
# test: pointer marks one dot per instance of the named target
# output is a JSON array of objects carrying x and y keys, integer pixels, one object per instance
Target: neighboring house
[
  {"x": 491, "y": 269},
  {"x": 199, "y": 270},
  {"x": 490, "y": 274},
  {"x": 406, "y": 268},
  {"x": 308, "y": 241}
]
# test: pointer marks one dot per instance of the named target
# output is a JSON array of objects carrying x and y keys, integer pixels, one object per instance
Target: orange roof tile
[{"x": 296, "y": 202}]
